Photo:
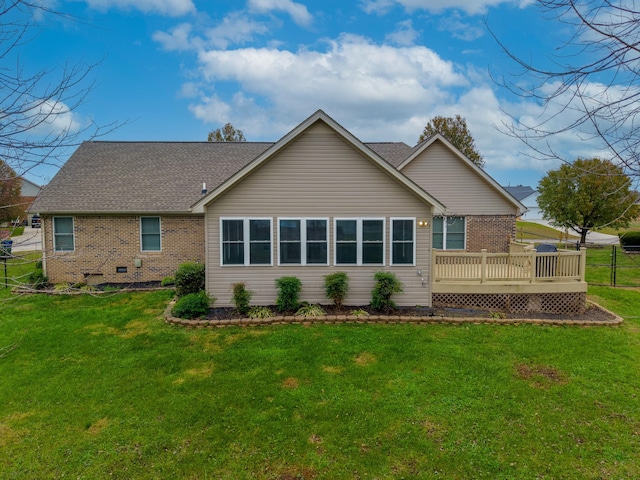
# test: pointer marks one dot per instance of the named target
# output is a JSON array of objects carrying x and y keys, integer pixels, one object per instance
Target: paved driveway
[
  {"x": 31, "y": 239},
  {"x": 592, "y": 237}
]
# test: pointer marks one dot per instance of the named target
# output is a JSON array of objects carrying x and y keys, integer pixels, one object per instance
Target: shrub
[
  {"x": 288, "y": 293},
  {"x": 168, "y": 281},
  {"x": 189, "y": 278},
  {"x": 260, "y": 312},
  {"x": 310, "y": 311},
  {"x": 630, "y": 241},
  {"x": 386, "y": 285},
  {"x": 192, "y": 305},
  {"x": 38, "y": 280},
  {"x": 241, "y": 297},
  {"x": 336, "y": 286}
]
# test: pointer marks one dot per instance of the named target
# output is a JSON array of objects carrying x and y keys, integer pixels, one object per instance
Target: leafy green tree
[
  {"x": 226, "y": 134},
  {"x": 10, "y": 188},
  {"x": 456, "y": 131},
  {"x": 588, "y": 194}
]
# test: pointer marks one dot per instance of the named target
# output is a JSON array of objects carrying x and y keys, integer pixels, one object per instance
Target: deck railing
[{"x": 521, "y": 265}]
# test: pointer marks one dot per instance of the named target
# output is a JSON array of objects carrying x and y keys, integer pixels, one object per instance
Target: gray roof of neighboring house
[
  {"x": 520, "y": 192},
  {"x": 155, "y": 177}
]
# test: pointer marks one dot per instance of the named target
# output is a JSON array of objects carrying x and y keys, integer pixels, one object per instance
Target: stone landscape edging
[{"x": 383, "y": 319}]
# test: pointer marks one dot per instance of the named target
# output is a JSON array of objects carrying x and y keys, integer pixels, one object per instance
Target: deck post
[
  {"x": 583, "y": 262},
  {"x": 533, "y": 266},
  {"x": 483, "y": 266}
]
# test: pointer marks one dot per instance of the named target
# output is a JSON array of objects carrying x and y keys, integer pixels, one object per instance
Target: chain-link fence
[{"x": 613, "y": 266}]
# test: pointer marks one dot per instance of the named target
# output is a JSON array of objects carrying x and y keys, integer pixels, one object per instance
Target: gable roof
[
  {"x": 320, "y": 116},
  {"x": 520, "y": 191},
  {"x": 421, "y": 147}
]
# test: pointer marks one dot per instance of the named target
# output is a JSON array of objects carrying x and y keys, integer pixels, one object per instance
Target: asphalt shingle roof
[
  {"x": 155, "y": 177},
  {"x": 520, "y": 192}
]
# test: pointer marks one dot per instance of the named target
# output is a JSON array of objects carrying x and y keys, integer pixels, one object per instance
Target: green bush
[
  {"x": 630, "y": 241},
  {"x": 336, "y": 287},
  {"x": 168, "y": 281},
  {"x": 260, "y": 312},
  {"x": 310, "y": 311},
  {"x": 189, "y": 278},
  {"x": 241, "y": 297},
  {"x": 288, "y": 293},
  {"x": 38, "y": 280},
  {"x": 386, "y": 285},
  {"x": 192, "y": 305}
]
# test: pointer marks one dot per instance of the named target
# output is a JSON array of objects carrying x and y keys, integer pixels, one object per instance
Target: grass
[
  {"x": 599, "y": 261},
  {"x": 536, "y": 231},
  {"x": 634, "y": 227},
  {"x": 96, "y": 387}
]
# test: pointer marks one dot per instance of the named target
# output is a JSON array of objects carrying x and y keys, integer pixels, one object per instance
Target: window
[
  {"x": 245, "y": 241},
  {"x": 150, "y": 234},
  {"x": 359, "y": 242},
  {"x": 402, "y": 243},
  {"x": 449, "y": 233},
  {"x": 303, "y": 241},
  {"x": 63, "y": 237}
]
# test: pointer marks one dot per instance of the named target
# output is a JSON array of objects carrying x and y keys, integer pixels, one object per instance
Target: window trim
[
  {"x": 55, "y": 235},
  {"x": 246, "y": 242},
  {"x": 359, "y": 242},
  {"x": 444, "y": 232},
  {"x": 303, "y": 242},
  {"x": 142, "y": 249},
  {"x": 413, "y": 241}
]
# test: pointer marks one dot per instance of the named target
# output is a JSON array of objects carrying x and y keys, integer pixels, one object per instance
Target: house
[
  {"x": 529, "y": 198},
  {"x": 28, "y": 193},
  {"x": 318, "y": 200}
]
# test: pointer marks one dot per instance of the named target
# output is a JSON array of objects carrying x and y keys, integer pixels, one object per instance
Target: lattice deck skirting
[{"x": 573, "y": 302}]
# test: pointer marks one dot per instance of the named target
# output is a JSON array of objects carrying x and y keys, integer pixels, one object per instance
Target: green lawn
[
  {"x": 542, "y": 233},
  {"x": 599, "y": 260},
  {"x": 100, "y": 387}
]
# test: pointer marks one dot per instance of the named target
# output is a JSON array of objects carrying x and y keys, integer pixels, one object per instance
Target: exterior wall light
[{"x": 423, "y": 223}]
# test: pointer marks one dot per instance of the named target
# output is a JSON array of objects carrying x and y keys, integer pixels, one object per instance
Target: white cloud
[
  {"x": 471, "y": 7},
  {"x": 178, "y": 38},
  {"x": 297, "y": 11},
  {"x": 405, "y": 34},
  {"x": 460, "y": 29},
  {"x": 172, "y": 8},
  {"x": 52, "y": 118}
]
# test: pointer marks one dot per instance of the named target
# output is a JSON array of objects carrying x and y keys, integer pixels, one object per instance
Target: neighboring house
[
  {"x": 317, "y": 201},
  {"x": 28, "y": 194},
  {"x": 529, "y": 198}
]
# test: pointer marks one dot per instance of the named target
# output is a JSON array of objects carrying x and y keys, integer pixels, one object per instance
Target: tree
[
  {"x": 10, "y": 187},
  {"x": 588, "y": 194},
  {"x": 455, "y": 130},
  {"x": 36, "y": 106},
  {"x": 226, "y": 134},
  {"x": 591, "y": 87}
]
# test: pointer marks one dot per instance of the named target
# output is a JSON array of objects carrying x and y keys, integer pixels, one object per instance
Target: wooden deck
[{"x": 522, "y": 270}]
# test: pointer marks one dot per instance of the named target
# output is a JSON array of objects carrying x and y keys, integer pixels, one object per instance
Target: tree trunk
[{"x": 583, "y": 236}]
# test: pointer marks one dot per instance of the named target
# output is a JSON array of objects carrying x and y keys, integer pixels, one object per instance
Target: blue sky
[{"x": 176, "y": 69}]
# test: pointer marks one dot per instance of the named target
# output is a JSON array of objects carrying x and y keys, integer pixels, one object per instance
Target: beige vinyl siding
[
  {"x": 318, "y": 175},
  {"x": 445, "y": 176}
]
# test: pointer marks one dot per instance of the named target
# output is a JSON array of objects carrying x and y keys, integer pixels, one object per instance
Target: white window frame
[
  {"x": 303, "y": 241},
  {"x": 444, "y": 231},
  {"x": 359, "y": 241},
  {"x": 160, "y": 233},
  {"x": 414, "y": 241},
  {"x": 246, "y": 241},
  {"x": 73, "y": 234}
]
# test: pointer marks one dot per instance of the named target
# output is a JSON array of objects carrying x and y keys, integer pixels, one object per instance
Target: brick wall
[
  {"x": 493, "y": 232},
  {"x": 104, "y": 244}
]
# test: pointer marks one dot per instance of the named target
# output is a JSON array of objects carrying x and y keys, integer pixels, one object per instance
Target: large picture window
[
  {"x": 449, "y": 233},
  {"x": 63, "y": 236},
  {"x": 303, "y": 241},
  {"x": 150, "y": 237},
  {"x": 245, "y": 241},
  {"x": 402, "y": 241},
  {"x": 359, "y": 241}
]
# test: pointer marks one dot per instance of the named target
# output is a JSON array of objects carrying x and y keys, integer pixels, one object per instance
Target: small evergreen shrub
[
  {"x": 189, "y": 278},
  {"x": 386, "y": 285},
  {"x": 336, "y": 287},
  {"x": 168, "y": 281},
  {"x": 38, "y": 279},
  {"x": 288, "y": 293},
  {"x": 241, "y": 297},
  {"x": 630, "y": 241},
  {"x": 192, "y": 305}
]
